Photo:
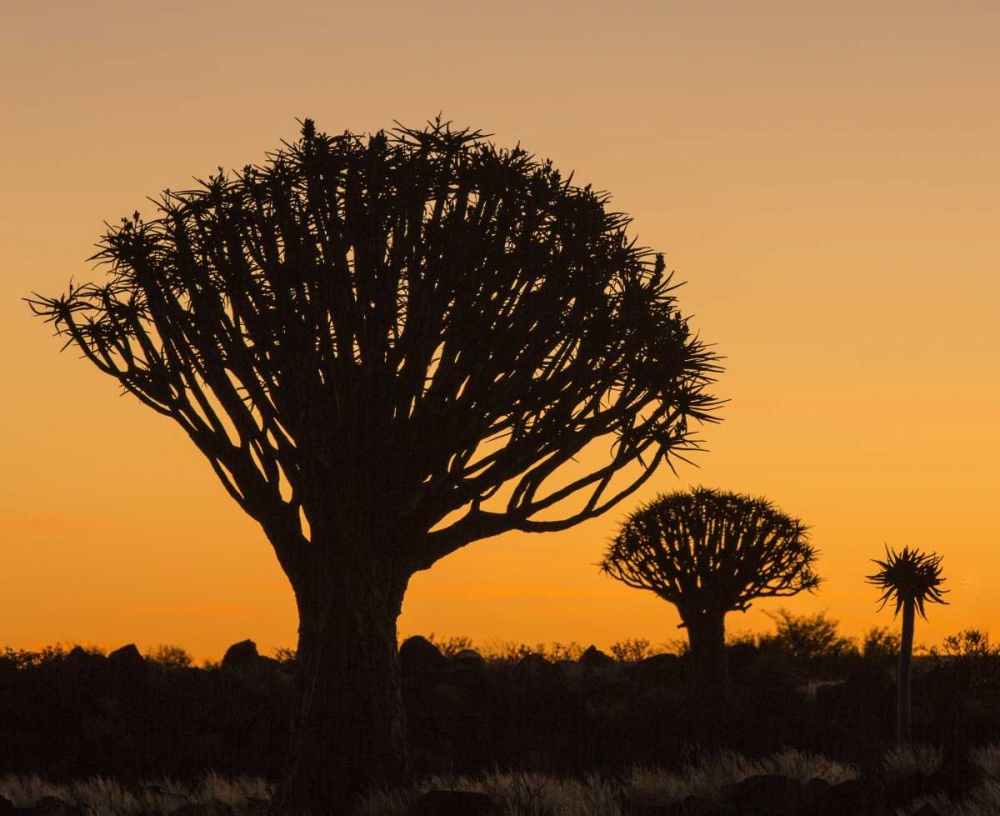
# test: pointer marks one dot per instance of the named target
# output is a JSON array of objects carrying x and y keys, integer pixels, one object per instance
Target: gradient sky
[{"x": 827, "y": 181}]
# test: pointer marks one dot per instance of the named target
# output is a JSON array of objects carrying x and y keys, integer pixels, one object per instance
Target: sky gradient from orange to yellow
[{"x": 825, "y": 177}]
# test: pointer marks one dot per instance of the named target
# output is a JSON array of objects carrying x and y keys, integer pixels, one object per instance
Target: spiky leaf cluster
[
  {"x": 709, "y": 550},
  {"x": 910, "y": 576},
  {"x": 383, "y": 332}
]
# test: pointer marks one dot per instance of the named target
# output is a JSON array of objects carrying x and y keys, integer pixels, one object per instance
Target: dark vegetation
[{"x": 78, "y": 713}]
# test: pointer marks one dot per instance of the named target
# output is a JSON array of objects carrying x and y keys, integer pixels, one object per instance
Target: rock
[
  {"x": 417, "y": 656},
  {"x": 6, "y": 806},
  {"x": 80, "y": 659},
  {"x": 241, "y": 655},
  {"x": 903, "y": 790},
  {"x": 927, "y": 809},
  {"x": 469, "y": 659},
  {"x": 814, "y": 789},
  {"x": 127, "y": 664},
  {"x": 661, "y": 669},
  {"x": 454, "y": 803},
  {"x": 690, "y": 806},
  {"x": 847, "y": 798},
  {"x": 535, "y": 668},
  {"x": 766, "y": 795},
  {"x": 255, "y": 806},
  {"x": 594, "y": 658},
  {"x": 213, "y": 807}
]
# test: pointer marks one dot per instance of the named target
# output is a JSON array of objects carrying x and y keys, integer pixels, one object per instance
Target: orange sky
[{"x": 826, "y": 181}]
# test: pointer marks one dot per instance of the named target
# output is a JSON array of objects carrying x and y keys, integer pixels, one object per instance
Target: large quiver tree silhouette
[
  {"x": 710, "y": 552},
  {"x": 389, "y": 347}
]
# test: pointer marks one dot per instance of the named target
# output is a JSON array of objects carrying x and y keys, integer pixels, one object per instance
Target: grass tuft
[{"x": 907, "y": 760}]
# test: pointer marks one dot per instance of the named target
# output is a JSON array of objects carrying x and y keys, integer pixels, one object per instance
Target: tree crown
[
  {"x": 710, "y": 550},
  {"x": 412, "y": 331},
  {"x": 910, "y": 576}
]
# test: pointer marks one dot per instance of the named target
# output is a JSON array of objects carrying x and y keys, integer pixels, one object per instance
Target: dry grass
[
  {"x": 706, "y": 774},
  {"x": 101, "y": 796},
  {"x": 987, "y": 759},
  {"x": 907, "y": 760},
  {"x": 534, "y": 794},
  {"x": 983, "y": 800}
]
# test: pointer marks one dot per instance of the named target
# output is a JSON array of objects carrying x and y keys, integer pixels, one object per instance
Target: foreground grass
[
  {"x": 106, "y": 797},
  {"x": 528, "y": 794},
  {"x": 518, "y": 794}
]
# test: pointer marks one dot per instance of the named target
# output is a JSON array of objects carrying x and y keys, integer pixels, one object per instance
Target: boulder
[
  {"x": 690, "y": 806},
  {"x": 814, "y": 789},
  {"x": 213, "y": 807},
  {"x": 766, "y": 795},
  {"x": 241, "y": 655},
  {"x": 469, "y": 659},
  {"x": 255, "y": 806},
  {"x": 534, "y": 668},
  {"x": 418, "y": 656},
  {"x": 127, "y": 662},
  {"x": 848, "y": 798},
  {"x": 594, "y": 658},
  {"x": 904, "y": 789},
  {"x": 80, "y": 659},
  {"x": 454, "y": 803},
  {"x": 661, "y": 670}
]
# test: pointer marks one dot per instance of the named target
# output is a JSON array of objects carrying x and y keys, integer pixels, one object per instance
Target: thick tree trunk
[
  {"x": 903, "y": 682},
  {"x": 707, "y": 641},
  {"x": 711, "y": 693},
  {"x": 349, "y": 728}
]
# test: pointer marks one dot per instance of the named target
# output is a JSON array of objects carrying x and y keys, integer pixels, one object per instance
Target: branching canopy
[
  {"x": 712, "y": 551},
  {"x": 910, "y": 576},
  {"x": 382, "y": 334}
]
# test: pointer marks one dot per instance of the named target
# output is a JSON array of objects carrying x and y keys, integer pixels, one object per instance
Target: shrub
[
  {"x": 631, "y": 650},
  {"x": 169, "y": 657},
  {"x": 807, "y": 638}
]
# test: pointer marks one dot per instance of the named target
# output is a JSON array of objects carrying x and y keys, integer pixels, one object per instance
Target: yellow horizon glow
[{"x": 824, "y": 180}]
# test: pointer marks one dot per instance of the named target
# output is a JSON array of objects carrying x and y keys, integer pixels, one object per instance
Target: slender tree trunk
[
  {"x": 904, "y": 726},
  {"x": 348, "y": 733}
]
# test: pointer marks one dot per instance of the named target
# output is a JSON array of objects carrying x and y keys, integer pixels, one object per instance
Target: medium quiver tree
[
  {"x": 910, "y": 579},
  {"x": 387, "y": 348},
  {"x": 710, "y": 552}
]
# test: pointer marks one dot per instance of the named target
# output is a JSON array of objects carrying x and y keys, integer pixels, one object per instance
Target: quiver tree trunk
[
  {"x": 904, "y": 726},
  {"x": 348, "y": 730},
  {"x": 710, "y": 689},
  {"x": 707, "y": 642}
]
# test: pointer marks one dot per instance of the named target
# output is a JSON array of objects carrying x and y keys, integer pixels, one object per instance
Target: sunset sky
[{"x": 824, "y": 176}]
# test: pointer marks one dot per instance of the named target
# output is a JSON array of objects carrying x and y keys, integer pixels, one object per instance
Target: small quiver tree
[
  {"x": 388, "y": 347},
  {"x": 910, "y": 579},
  {"x": 710, "y": 552}
]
